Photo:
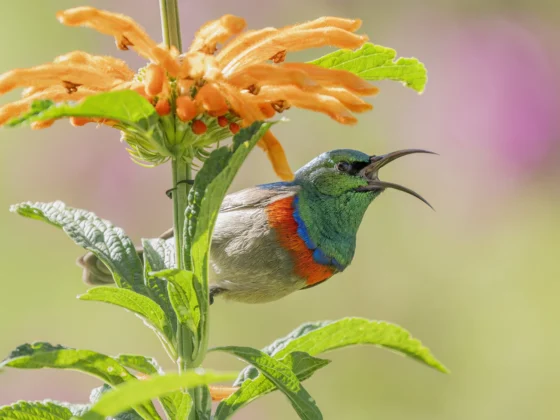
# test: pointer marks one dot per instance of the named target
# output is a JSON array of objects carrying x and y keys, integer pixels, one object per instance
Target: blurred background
[{"x": 477, "y": 281}]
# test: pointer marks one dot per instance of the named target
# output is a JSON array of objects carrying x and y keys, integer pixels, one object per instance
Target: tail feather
[{"x": 95, "y": 272}]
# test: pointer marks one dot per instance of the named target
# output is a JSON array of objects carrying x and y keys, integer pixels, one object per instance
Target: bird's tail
[{"x": 96, "y": 273}]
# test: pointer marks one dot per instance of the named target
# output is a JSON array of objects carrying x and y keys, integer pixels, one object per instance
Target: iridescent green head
[{"x": 343, "y": 171}]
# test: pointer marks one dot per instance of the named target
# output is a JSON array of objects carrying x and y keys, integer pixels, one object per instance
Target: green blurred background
[{"x": 477, "y": 281}]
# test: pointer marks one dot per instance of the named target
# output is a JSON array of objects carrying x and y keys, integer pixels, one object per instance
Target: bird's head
[{"x": 340, "y": 172}]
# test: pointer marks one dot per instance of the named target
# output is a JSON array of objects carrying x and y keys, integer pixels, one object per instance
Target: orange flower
[{"x": 245, "y": 81}]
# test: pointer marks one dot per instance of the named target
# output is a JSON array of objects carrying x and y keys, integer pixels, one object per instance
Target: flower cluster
[{"x": 246, "y": 80}]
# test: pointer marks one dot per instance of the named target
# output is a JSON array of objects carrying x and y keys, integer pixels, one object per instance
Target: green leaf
[
  {"x": 107, "y": 242},
  {"x": 282, "y": 376},
  {"x": 144, "y": 307},
  {"x": 126, "y": 106},
  {"x": 183, "y": 296},
  {"x": 205, "y": 198},
  {"x": 143, "y": 364},
  {"x": 176, "y": 404},
  {"x": 24, "y": 410},
  {"x": 374, "y": 62},
  {"x": 137, "y": 392},
  {"x": 302, "y": 364},
  {"x": 319, "y": 337},
  {"x": 250, "y": 372},
  {"x": 44, "y": 355},
  {"x": 157, "y": 256},
  {"x": 202, "y": 402},
  {"x": 97, "y": 393},
  {"x": 160, "y": 253}
]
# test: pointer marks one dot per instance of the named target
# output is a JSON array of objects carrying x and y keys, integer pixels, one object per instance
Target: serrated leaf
[
  {"x": 282, "y": 376},
  {"x": 137, "y": 392},
  {"x": 44, "y": 355},
  {"x": 374, "y": 62},
  {"x": 143, "y": 364},
  {"x": 96, "y": 394},
  {"x": 319, "y": 337},
  {"x": 183, "y": 296},
  {"x": 157, "y": 255},
  {"x": 107, "y": 242},
  {"x": 126, "y": 106},
  {"x": 144, "y": 307},
  {"x": 302, "y": 364},
  {"x": 250, "y": 372},
  {"x": 161, "y": 253},
  {"x": 24, "y": 410},
  {"x": 176, "y": 404},
  {"x": 205, "y": 198}
]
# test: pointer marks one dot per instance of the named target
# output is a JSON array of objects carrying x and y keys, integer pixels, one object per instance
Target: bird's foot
[
  {"x": 214, "y": 291},
  {"x": 169, "y": 192}
]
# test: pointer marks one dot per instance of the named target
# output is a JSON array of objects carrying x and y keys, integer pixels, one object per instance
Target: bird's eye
[{"x": 343, "y": 166}]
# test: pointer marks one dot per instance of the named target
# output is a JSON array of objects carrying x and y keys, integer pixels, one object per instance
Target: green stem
[
  {"x": 170, "y": 24},
  {"x": 181, "y": 171}
]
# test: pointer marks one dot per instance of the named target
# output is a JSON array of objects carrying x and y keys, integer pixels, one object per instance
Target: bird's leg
[
  {"x": 215, "y": 290},
  {"x": 169, "y": 192}
]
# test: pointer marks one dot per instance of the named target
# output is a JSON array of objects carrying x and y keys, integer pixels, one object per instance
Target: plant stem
[
  {"x": 170, "y": 24},
  {"x": 181, "y": 172}
]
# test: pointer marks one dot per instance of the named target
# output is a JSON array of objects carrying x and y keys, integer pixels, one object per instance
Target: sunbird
[{"x": 273, "y": 239}]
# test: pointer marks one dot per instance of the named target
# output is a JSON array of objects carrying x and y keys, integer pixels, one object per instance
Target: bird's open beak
[{"x": 371, "y": 173}]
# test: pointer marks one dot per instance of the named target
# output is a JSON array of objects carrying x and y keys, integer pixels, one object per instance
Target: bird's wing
[
  {"x": 254, "y": 197},
  {"x": 259, "y": 196}
]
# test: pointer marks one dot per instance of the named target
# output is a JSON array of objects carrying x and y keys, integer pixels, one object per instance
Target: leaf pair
[{"x": 297, "y": 351}]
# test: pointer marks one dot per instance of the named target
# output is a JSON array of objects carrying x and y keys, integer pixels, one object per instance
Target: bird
[{"x": 274, "y": 239}]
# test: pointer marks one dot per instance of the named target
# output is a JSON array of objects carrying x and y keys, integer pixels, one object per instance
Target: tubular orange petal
[
  {"x": 220, "y": 393},
  {"x": 185, "y": 86},
  {"x": 275, "y": 153},
  {"x": 164, "y": 57},
  {"x": 80, "y": 121},
  {"x": 185, "y": 108},
  {"x": 54, "y": 93},
  {"x": 39, "y": 125},
  {"x": 351, "y": 25},
  {"x": 211, "y": 99},
  {"x": 352, "y": 102},
  {"x": 106, "y": 64},
  {"x": 126, "y": 31},
  {"x": 216, "y": 32},
  {"x": 267, "y": 110},
  {"x": 331, "y": 77},
  {"x": 247, "y": 110},
  {"x": 47, "y": 75},
  {"x": 162, "y": 107},
  {"x": 294, "y": 40},
  {"x": 307, "y": 100},
  {"x": 195, "y": 65},
  {"x": 241, "y": 43},
  {"x": 153, "y": 79},
  {"x": 269, "y": 74}
]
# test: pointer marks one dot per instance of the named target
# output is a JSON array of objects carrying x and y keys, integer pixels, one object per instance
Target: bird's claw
[{"x": 169, "y": 192}]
